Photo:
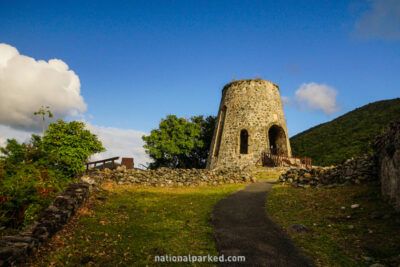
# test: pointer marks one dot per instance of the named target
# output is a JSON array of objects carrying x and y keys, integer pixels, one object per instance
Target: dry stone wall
[
  {"x": 164, "y": 177},
  {"x": 15, "y": 248},
  {"x": 353, "y": 171},
  {"x": 387, "y": 150},
  {"x": 254, "y": 106}
]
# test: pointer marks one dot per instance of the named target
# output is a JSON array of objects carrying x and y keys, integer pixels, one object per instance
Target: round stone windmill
[{"x": 250, "y": 121}]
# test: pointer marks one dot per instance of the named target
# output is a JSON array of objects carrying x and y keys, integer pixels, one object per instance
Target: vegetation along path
[{"x": 243, "y": 228}]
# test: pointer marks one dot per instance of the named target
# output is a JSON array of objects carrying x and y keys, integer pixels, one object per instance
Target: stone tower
[{"x": 250, "y": 121}]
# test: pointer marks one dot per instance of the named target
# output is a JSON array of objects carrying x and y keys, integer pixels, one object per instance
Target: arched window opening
[
  {"x": 244, "y": 142},
  {"x": 277, "y": 140}
]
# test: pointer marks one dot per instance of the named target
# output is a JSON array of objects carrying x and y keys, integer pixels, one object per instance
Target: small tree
[
  {"x": 70, "y": 145},
  {"x": 180, "y": 143},
  {"x": 172, "y": 142},
  {"x": 43, "y": 111}
]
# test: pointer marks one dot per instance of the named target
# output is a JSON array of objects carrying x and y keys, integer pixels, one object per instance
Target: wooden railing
[
  {"x": 279, "y": 160},
  {"x": 103, "y": 161}
]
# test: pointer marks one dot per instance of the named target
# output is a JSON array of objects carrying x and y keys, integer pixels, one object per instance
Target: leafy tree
[
  {"x": 32, "y": 173},
  {"x": 70, "y": 145},
  {"x": 180, "y": 143},
  {"x": 199, "y": 155}
]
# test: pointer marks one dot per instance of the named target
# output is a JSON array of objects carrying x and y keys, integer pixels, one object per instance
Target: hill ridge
[{"x": 346, "y": 136}]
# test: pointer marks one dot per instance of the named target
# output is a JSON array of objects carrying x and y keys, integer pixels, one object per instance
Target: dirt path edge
[{"x": 243, "y": 228}]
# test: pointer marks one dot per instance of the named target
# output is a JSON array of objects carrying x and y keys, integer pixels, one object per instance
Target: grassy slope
[
  {"x": 331, "y": 241},
  {"x": 347, "y": 136},
  {"x": 134, "y": 224}
]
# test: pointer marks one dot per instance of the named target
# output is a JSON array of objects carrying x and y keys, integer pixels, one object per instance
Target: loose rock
[{"x": 297, "y": 229}]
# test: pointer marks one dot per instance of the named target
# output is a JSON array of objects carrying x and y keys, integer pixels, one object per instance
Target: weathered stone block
[{"x": 387, "y": 149}]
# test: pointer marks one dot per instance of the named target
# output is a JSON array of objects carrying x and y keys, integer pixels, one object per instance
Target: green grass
[
  {"x": 267, "y": 174},
  {"x": 134, "y": 224},
  {"x": 331, "y": 242}
]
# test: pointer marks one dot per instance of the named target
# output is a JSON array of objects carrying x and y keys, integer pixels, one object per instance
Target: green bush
[
  {"x": 70, "y": 145},
  {"x": 31, "y": 174},
  {"x": 22, "y": 189}
]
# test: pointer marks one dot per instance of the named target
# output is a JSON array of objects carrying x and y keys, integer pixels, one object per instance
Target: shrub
[
  {"x": 70, "y": 145},
  {"x": 31, "y": 174}
]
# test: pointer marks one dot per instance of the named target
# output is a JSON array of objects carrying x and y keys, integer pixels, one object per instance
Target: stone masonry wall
[
  {"x": 165, "y": 177},
  {"x": 15, "y": 248},
  {"x": 387, "y": 150},
  {"x": 353, "y": 171},
  {"x": 252, "y": 105}
]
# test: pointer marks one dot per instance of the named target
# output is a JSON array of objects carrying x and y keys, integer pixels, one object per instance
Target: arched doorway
[{"x": 277, "y": 140}]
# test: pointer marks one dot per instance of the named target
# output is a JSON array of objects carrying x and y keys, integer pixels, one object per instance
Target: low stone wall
[
  {"x": 15, "y": 248},
  {"x": 352, "y": 171},
  {"x": 165, "y": 177},
  {"x": 387, "y": 150}
]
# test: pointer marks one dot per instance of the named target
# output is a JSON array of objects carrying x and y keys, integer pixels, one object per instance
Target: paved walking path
[{"x": 243, "y": 227}]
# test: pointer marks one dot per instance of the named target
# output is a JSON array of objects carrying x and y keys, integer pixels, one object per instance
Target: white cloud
[
  {"x": 26, "y": 84},
  {"x": 317, "y": 97},
  {"x": 120, "y": 142},
  {"x": 380, "y": 21},
  {"x": 285, "y": 100}
]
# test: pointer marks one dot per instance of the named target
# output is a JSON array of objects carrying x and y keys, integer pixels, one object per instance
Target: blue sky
[{"x": 138, "y": 61}]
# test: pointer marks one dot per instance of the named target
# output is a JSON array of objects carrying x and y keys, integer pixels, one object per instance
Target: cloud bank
[
  {"x": 315, "y": 96},
  {"x": 26, "y": 84},
  {"x": 380, "y": 21}
]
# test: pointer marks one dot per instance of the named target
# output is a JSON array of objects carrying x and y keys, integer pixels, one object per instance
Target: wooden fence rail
[
  {"x": 278, "y": 160},
  {"x": 103, "y": 161}
]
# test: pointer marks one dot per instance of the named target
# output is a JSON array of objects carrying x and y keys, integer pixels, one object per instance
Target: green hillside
[{"x": 347, "y": 136}]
